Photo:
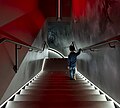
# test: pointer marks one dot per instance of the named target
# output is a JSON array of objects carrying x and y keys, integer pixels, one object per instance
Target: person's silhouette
[{"x": 72, "y": 58}]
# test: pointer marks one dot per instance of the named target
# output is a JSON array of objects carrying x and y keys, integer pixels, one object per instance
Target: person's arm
[{"x": 79, "y": 51}]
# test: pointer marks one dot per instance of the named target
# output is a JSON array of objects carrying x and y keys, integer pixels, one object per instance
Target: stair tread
[
  {"x": 59, "y": 91},
  {"x": 60, "y": 98},
  {"x": 59, "y": 87},
  {"x": 76, "y": 104},
  {"x": 61, "y": 84},
  {"x": 54, "y": 89}
]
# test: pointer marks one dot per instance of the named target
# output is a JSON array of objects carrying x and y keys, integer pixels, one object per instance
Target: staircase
[{"x": 54, "y": 89}]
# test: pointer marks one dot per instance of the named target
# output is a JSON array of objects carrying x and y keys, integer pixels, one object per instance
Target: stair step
[
  {"x": 59, "y": 91},
  {"x": 59, "y": 98},
  {"x": 58, "y": 87},
  {"x": 54, "y": 89},
  {"x": 56, "y": 79},
  {"x": 76, "y": 104},
  {"x": 60, "y": 83}
]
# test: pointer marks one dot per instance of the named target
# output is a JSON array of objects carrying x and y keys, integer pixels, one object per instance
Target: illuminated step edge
[
  {"x": 110, "y": 98},
  {"x": 25, "y": 97},
  {"x": 36, "y": 76},
  {"x": 72, "y": 104}
]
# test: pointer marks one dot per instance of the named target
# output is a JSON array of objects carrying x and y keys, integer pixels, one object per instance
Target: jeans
[{"x": 72, "y": 72}]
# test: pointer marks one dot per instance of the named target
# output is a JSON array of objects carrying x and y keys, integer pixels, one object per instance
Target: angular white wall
[{"x": 30, "y": 66}]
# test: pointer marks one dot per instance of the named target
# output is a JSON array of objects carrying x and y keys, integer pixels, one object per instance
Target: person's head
[{"x": 71, "y": 48}]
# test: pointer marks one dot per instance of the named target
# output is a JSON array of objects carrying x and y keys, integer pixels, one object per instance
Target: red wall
[
  {"x": 25, "y": 27},
  {"x": 27, "y": 20},
  {"x": 48, "y": 7},
  {"x": 81, "y": 8},
  {"x": 22, "y": 20},
  {"x": 66, "y": 6}
]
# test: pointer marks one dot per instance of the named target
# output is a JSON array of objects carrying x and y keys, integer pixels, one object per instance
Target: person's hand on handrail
[{"x": 80, "y": 49}]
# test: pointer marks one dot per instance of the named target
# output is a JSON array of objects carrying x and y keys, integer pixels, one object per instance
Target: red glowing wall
[
  {"x": 80, "y": 8},
  {"x": 48, "y": 8},
  {"x": 66, "y": 8},
  {"x": 25, "y": 27},
  {"x": 21, "y": 18}
]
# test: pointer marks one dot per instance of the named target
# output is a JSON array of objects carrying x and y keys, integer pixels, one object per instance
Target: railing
[
  {"x": 51, "y": 49},
  {"x": 20, "y": 44},
  {"x": 111, "y": 42}
]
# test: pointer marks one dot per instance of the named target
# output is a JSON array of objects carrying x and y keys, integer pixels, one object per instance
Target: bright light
[
  {"x": 59, "y": 9},
  {"x": 56, "y": 52},
  {"x": 58, "y": 56},
  {"x": 78, "y": 9},
  {"x": 25, "y": 84},
  {"x": 42, "y": 66},
  {"x": 98, "y": 89}
]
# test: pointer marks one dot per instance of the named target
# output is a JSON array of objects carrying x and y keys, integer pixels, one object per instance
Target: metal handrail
[
  {"x": 21, "y": 43},
  {"x": 100, "y": 44},
  {"x": 51, "y": 49}
]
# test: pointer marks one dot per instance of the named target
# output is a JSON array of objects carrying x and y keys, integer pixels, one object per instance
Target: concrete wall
[
  {"x": 59, "y": 35},
  {"x": 30, "y": 66},
  {"x": 102, "y": 66},
  {"x": 23, "y": 21}
]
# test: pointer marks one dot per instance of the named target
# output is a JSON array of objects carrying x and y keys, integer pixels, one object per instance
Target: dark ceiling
[{"x": 49, "y": 8}]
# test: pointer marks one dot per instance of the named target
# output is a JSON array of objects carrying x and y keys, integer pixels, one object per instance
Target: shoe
[{"x": 72, "y": 79}]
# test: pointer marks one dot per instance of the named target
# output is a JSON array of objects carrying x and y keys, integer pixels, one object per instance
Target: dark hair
[{"x": 71, "y": 48}]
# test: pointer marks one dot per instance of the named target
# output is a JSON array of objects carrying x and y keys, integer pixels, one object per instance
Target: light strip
[
  {"x": 51, "y": 49},
  {"x": 59, "y": 9},
  {"x": 25, "y": 84},
  {"x": 43, "y": 64},
  {"x": 99, "y": 89}
]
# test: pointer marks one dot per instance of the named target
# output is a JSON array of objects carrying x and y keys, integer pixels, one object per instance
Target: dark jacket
[{"x": 72, "y": 58}]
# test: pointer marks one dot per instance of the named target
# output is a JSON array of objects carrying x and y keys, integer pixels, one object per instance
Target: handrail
[
  {"x": 100, "y": 44},
  {"x": 51, "y": 49},
  {"x": 21, "y": 43}
]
